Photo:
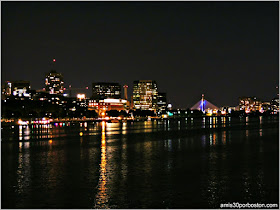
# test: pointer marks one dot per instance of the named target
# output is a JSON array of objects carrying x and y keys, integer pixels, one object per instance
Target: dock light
[{"x": 20, "y": 122}]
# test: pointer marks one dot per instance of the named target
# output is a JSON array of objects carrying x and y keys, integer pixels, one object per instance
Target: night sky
[{"x": 222, "y": 49}]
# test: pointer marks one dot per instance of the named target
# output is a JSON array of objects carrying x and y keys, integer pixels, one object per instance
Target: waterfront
[{"x": 186, "y": 163}]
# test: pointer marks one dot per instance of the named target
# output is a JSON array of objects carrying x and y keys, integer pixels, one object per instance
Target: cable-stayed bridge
[{"x": 203, "y": 105}]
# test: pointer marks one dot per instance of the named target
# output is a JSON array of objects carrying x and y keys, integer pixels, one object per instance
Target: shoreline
[
  {"x": 196, "y": 130},
  {"x": 13, "y": 122}
]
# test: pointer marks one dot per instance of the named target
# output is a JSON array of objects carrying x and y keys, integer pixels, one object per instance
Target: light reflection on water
[
  {"x": 128, "y": 165},
  {"x": 224, "y": 137},
  {"x": 102, "y": 197}
]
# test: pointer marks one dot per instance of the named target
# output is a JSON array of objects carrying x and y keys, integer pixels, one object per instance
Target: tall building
[
  {"x": 54, "y": 83},
  {"x": 103, "y": 90},
  {"x": 125, "y": 91},
  {"x": 145, "y": 94}
]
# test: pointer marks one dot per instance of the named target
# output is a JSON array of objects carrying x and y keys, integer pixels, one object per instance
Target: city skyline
[{"x": 224, "y": 50}]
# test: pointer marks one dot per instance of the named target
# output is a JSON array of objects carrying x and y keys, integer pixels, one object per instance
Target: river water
[{"x": 187, "y": 163}]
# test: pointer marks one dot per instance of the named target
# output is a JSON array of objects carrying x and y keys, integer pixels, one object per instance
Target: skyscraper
[
  {"x": 103, "y": 90},
  {"x": 54, "y": 83},
  {"x": 145, "y": 94}
]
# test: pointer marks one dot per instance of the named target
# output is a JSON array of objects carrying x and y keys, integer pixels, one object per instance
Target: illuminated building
[
  {"x": 103, "y": 90},
  {"x": 249, "y": 104},
  {"x": 145, "y": 94},
  {"x": 54, "y": 83},
  {"x": 126, "y": 97},
  {"x": 107, "y": 104},
  {"x": 161, "y": 101},
  {"x": 275, "y": 105},
  {"x": 125, "y": 91},
  {"x": 20, "y": 88},
  {"x": 6, "y": 89},
  {"x": 266, "y": 106},
  {"x": 228, "y": 109}
]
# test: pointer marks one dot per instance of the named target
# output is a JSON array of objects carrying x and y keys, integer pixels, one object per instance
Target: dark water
[{"x": 190, "y": 163}]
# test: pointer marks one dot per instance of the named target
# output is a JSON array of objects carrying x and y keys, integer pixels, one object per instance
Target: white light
[
  {"x": 20, "y": 122},
  {"x": 111, "y": 100},
  {"x": 81, "y": 96}
]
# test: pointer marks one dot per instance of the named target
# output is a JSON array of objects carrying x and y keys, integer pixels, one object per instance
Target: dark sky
[{"x": 222, "y": 49}]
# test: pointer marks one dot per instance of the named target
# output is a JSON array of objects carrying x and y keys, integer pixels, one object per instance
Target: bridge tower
[{"x": 202, "y": 103}]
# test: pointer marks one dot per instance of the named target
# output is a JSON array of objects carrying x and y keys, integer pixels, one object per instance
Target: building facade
[
  {"x": 103, "y": 90},
  {"x": 275, "y": 105},
  {"x": 249, "y": 104},
  {"x": 6, "y": 89},
  {"x": 145, "y": 93},
  {"x": 161, "y": 101},
  {"x": 102, "y": 106},
  {"x": 54, "y": 83},
  {"x": 21, "y": 88}
]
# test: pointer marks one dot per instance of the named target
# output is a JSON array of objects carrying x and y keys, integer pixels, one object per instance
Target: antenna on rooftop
[{"x": 53, "y": 63}]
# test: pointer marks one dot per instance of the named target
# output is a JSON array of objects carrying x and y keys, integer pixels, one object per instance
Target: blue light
[
  {"x": 170, "y": 114},
  {"x": 202, "y": 107}
]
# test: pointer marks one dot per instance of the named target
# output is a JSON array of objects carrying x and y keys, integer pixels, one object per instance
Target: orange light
[{"x": 50, "y": 141}]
